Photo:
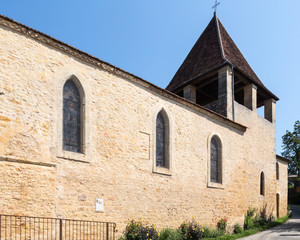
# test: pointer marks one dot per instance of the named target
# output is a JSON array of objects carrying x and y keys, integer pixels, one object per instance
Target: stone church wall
[
  {"x": 282, "y": 189},
  {"x": 117, "y": 166},
  {"x": 260, "y": 157}
]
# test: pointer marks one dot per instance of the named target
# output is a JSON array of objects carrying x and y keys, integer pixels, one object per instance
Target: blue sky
[{"x": 152, "y": 38}]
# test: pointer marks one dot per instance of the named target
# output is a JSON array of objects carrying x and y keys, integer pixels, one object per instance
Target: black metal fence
[{"x": 39, "y": 228}]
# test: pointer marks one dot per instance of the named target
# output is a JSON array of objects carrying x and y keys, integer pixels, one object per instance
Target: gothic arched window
[
  {"x": 162, "y": 141},
  {"x": 215, "y": 161},
  {"x": 72, "y": 124},
  {"x": 262, "y": 184},
  {"x": 277, "y": 171}
]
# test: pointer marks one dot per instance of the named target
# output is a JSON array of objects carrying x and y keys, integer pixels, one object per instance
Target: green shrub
[
  {"x": 248, "y": 223},
  {"x": 237, "y": 228},
  {"x": 138, "y": 231},
  {"x": 222, "y": 224},
  {"x": 261, "y": 218},
  {"x": 170, "y": 234},
  {"x": 191, "y": 230},
  {"x": 251, "y": 212},
  {"x": 249, "y": 217},
  {"x": 212, "y": 233},
  {"x": 291, "y": 185}
]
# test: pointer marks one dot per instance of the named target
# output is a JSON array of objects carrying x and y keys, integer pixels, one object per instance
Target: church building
[{"x": 83, "y": 139}]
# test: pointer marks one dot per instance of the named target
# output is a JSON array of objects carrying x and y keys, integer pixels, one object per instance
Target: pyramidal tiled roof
[{"x": 213, "y": 49}]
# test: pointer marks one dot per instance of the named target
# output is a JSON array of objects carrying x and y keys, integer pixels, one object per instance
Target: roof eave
[
  {"x": 282, "y": 158},
  {"x": 198, "y": 76}
]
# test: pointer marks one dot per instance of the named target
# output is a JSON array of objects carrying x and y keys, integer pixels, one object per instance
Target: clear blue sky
[{"x": 152, "y": 38}]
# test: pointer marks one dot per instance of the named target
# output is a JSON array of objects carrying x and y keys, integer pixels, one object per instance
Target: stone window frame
[
  {"x": 61, "y": 153},
  {"x": 221, "y": 184},
  {"x": 262, "y": 184},
  {"x": 163, "y": 170}
]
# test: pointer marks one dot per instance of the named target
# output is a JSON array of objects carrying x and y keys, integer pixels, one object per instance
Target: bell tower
[{"x": 215, "y": 75}]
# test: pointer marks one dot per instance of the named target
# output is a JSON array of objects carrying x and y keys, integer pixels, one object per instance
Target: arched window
[
  {"x": 262, "y": 184},
  {"x": 215, "y": 161},
  {"x": 72, "y": 122},
  {"x": 162, "y": 140},
  {"x": 277, "y": 171}
]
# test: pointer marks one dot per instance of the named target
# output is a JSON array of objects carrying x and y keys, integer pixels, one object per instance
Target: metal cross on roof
[{"x": 216, "y": 5}]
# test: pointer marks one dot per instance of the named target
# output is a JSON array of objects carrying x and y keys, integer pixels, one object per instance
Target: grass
[{"x": 251, "y": 231}]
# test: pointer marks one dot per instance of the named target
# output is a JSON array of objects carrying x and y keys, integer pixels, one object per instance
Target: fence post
[
  {"x": 107, "y": 231},
  {"x": 114, "y": 230},
  {"x": 60, "y": 229}
]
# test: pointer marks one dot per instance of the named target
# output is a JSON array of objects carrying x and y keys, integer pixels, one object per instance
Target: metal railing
[{"x": 40, "y": 228}]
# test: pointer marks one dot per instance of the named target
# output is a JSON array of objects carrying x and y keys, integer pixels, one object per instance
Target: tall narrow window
[
  {"x": 262, "y": 184},
  {"x": 72, "y": 138},
  {"x": 215, "y": 161},
  {"x": 277, "y": 171},
  {"x": 277, "y": 205},
  {"x": 162, "y": 141}
]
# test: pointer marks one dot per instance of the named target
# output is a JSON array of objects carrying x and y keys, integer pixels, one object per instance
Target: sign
[{"x": 99, "y": 205}]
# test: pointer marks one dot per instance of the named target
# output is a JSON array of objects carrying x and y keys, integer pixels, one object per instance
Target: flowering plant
[
  {"x": 139, "y": 231},
  {"x": 191, "y": 230},
  {"x": 222, "y": 224}
]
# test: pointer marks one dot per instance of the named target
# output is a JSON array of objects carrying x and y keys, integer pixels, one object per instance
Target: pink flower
[{"x": 178, "y": 227}]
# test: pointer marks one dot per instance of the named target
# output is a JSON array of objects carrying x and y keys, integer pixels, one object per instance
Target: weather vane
[{"x": 216, "y": 5}]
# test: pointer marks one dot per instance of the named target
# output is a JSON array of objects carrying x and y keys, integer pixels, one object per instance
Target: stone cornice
[
  {"x": 67, "y": 49},
  {"x": 282, "y": 158}
]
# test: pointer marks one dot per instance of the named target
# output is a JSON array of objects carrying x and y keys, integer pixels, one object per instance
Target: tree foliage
[{"x": 291, "y": 148}]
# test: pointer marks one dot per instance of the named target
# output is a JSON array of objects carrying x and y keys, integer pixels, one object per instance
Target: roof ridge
[
  {"x": 204, "y": 55},
  {"x": 219, "y": 37},
  {"x": 238, "y": 60},
  {"x": 220, "y": 41}
]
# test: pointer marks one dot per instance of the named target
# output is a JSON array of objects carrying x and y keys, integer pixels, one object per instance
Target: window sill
[
  {"x": 162, "y": 170},
  {"x": 73, "y": 156},
  {"x": 215, "y": 185}
]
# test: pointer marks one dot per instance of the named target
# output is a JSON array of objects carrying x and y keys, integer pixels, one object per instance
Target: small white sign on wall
[{"x": 99, "y": 205}]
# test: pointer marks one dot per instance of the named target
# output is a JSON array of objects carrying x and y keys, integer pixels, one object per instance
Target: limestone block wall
[
  {"x": 282, "y": 188},
  {"x": 119, "y": 130},
  {"x": 27, "y": 189},
  {"x": 260, "y": 156}
]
